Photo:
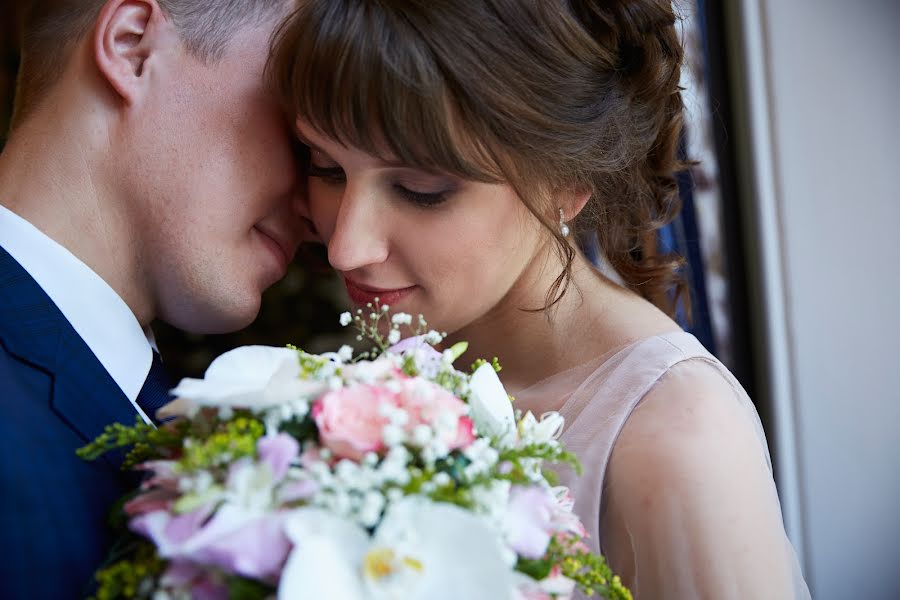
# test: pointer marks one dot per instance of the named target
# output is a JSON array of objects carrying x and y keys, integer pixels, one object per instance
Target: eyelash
[{"x": 335, "y": 175}]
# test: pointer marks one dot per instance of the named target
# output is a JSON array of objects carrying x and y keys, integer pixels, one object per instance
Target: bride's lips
[{"x": 361, "y": 294}]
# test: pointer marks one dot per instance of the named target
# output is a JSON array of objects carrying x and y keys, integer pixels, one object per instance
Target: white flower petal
[
  {"x": 327, "y": 557},
  {"x": 250, "y": 376},
  {"x": 492, "y": 411},
  {"x": 461, "y": 556}
]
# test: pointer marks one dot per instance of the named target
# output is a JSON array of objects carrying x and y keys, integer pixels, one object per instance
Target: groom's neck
[{"x": 55, "y": 172}]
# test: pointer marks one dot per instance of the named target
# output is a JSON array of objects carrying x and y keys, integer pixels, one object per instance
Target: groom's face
[{"x": 216, "y": 179}]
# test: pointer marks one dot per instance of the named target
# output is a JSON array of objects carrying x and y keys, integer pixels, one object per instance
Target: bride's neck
[{"x": 533, "y": 345}]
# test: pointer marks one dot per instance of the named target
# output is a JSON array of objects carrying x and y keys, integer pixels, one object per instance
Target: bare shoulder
[
  {"x": 689, "y": 501},
  {"x": 693, "y": 428}
]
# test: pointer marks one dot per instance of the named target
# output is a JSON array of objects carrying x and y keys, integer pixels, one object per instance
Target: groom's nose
[{"x": 358, "y": 238}]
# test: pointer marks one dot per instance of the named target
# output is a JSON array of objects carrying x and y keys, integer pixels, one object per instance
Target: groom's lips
[
  {"x": 361, "y": 294},
  {"x": 280, "y": 248}
]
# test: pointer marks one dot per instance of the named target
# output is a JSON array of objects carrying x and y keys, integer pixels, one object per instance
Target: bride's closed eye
[
  {"x": 423, "y": 199},
  {"x": 331, "y": 173}
]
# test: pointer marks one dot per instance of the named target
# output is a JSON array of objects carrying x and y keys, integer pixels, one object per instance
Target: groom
[{"x": 148, "y": 175}]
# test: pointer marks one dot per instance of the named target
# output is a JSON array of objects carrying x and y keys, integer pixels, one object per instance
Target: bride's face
[{"x": 425, "y": 243}]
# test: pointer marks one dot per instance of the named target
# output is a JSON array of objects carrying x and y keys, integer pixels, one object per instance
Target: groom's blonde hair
[{"x": 52, "y": 28}]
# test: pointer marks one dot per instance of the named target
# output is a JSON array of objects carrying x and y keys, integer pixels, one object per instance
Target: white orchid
[
  {"x": 491, "y": 409},
  {"x": 422, "y": 550},
  {"x": 254, "y": 377},
  {"x": 543, "y": 431}
]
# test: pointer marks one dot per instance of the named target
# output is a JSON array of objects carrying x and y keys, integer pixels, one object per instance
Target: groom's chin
[{"x": 216, "y": 317}]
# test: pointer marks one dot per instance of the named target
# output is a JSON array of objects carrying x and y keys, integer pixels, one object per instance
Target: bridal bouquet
[{"x": 387, "y": 475}]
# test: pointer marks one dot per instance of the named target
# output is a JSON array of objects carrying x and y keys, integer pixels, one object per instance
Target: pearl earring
[{"x": 563, "y": 227}]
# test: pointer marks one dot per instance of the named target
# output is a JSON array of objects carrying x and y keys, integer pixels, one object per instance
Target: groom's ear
[{"x": 128, "y": 38}]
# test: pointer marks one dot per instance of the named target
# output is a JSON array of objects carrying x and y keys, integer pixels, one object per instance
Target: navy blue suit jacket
[{"x": 54, "y": 397}]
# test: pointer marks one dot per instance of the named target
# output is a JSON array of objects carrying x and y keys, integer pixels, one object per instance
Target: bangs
[{"x": 363, "y": 75}]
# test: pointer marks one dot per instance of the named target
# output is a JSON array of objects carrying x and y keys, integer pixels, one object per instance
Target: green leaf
[
  {"x": 537, "y": 569},
  {"x": 241, "y": 588}
]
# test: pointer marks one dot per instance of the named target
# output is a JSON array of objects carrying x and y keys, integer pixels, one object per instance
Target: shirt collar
[{"x": 93, "y": 308}]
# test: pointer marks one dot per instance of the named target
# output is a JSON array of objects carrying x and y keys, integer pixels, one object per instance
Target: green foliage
[
  {"x": 495, "y": 362},
  {"x": 589, "y": 571},
  {"x": 301, "y": 429},
  {"x": 232, "y": 440},
  {"x": 145, "y": 441},
  {"x": 409, "y": 366},
  {"x": 451, "y": 380},
  {"x": 538, "y": 568},
  {"x": 241, "y": 588},
  {"x": 132, "y": 577},
  {"x": 552, "y": 453},
  {"x": 309, "y": 363}
]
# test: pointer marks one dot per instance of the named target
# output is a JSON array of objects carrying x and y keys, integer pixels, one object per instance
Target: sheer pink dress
[{"x": 677, "y": 489}]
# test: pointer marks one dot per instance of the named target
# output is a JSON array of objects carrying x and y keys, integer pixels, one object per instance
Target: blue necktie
[{"x": 155, "y": 393}]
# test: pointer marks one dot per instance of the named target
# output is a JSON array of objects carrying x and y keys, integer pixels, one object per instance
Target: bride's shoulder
[{"x": 694, "y": 424}]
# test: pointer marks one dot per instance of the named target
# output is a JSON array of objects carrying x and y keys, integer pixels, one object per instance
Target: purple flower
[
  {"x": 278, "y": 452},
  {"x": 235, "y": 539},
  {"x": 428, "y": 360}
]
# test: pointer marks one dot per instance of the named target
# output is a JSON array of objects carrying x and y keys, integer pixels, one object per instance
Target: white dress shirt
[{"x": 93, "y": 308}]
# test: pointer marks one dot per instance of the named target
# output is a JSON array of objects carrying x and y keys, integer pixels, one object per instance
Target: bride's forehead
[
  {"x": 331, "y": 144},
  {"x": 430, "y": 137}
]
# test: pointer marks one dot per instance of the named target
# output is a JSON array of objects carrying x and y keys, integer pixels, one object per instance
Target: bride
[{"x": 458, "y": 151}]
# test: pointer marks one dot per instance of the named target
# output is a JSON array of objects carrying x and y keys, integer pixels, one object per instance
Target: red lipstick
[{"x": 361, "y": 294}]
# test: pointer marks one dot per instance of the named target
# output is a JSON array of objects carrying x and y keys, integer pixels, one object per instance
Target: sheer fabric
[{"x": 677, "y": 489}]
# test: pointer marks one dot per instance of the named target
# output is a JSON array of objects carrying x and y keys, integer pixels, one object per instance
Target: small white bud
[
  {"x": 422, "y": 434},
  {"x": 442, "y": 479},
  {"x": 393, "y": 435},
  {"x": 401, "y": 319}
]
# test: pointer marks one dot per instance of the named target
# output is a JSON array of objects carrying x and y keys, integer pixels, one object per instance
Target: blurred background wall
[{"x": 816, "y": 89}]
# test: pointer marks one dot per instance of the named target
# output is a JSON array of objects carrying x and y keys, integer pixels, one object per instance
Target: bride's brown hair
[{"x": 543, "y": 95}]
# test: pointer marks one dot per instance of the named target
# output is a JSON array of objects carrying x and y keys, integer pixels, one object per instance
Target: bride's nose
[{"x": 360, "y": 235}]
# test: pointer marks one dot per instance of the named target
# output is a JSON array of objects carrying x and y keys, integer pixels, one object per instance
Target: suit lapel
[{"x": 32, "y": 327}]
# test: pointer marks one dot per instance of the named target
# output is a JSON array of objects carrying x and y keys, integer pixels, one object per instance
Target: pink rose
[
  {"x": 427, "y": 402},
  {"x": 350, "y": 421}
]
